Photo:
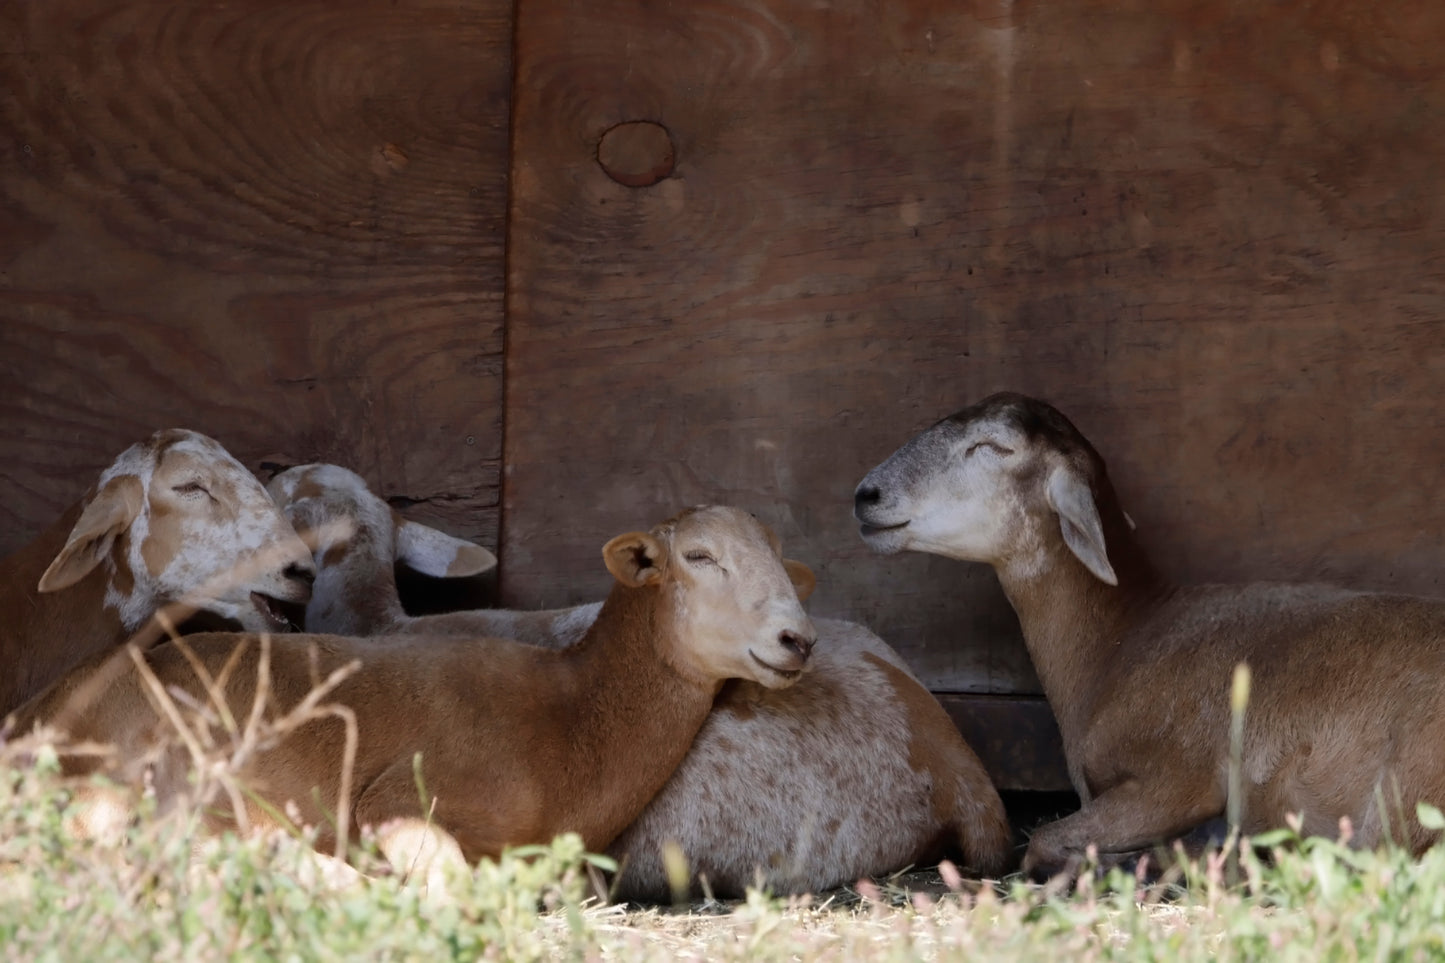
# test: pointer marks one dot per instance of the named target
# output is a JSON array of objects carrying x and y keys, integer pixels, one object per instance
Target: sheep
[
  {"x": 517, "y": 743},
  {"x": 854, "y": 771},
  {"x": 175, "y": 519},
  {"x": 1347, "y": 705}
]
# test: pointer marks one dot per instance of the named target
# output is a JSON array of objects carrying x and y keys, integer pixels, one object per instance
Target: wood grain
[
  {"x": 277, "y": 222},
  {"x": 1210, "y": 230}
]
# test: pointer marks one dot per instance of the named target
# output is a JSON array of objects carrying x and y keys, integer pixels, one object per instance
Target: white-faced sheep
[{"x": 175, "y": 519}]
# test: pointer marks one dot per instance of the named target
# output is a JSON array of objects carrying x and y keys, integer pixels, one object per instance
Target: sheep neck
[
  {"x": 355, "y": 595},
  {"x": 61, "y": 629},
  {"x": 1073, "y": 623},
  {"x": 637, "y": 711}
]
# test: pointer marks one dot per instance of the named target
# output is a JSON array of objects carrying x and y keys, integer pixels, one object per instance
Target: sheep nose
[
  {"x": 864, "y": 497},
  {"x": 797, "y": 643},
  {"x": 301, "y": 573}
]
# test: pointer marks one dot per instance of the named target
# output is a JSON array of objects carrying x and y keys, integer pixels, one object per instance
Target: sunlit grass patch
[{"x": 170, "y": 890}]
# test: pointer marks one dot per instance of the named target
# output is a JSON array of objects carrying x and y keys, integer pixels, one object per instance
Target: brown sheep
[
  {"x": 1348, "y": 701},
  {"x": 518, "y": 743}
]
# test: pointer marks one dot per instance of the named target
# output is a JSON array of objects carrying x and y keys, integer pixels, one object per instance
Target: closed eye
[
  {"x": 995, "y": 446},
  {"x": 191, "y": 488},
  {"x": 700, "y": 558}
]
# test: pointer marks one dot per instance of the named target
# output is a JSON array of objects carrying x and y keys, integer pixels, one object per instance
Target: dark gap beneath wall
[
  {"x": 1029, "y": 809},
  {"x": 424, "y": 595}
]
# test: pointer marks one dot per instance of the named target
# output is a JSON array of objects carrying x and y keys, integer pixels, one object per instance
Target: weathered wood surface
[
  {"x": 1210, "y": 230},
  {"x": 278, "y": 222}
]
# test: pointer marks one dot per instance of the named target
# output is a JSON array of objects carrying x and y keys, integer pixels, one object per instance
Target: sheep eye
[
  {"x": 190, "y": 488},
  {"x": 700, "y": 558},
  {"x": 995, "y": 446}
]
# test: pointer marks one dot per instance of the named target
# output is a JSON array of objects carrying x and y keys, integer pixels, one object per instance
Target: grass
[{"x": 171, "y": 891}]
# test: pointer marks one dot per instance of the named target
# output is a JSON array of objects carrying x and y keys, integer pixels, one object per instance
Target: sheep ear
[
  {"x": 802, "y": 577},
  {"x": 1070, "y": 496},
  {"x": 105, "y": 516},
  {"x": 635, "y": 559},
  {"x": 431, "y": 552}
]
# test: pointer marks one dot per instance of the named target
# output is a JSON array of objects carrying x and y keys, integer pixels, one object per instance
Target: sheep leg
[
  {"x": 415, "y": 846},
  {"x": 1122, "y": 821}
]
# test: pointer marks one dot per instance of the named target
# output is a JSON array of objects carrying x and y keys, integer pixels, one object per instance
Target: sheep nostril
[
  {"x": 797, "y": 643},
  {"x": 300, "y": 574},
  {"x": 867, "y": 496}
]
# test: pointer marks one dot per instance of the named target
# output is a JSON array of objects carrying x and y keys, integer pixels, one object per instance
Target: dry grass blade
[
  {"x": 91, "y": 679},
  {"x": 214, "y": 689},
  {"x": 251, "y": 735},
  {"x": 163, "y": 703},
  {"x": 348, "y": 767},
  {"x": 259, "y": 735},
  {"x": 218, "y": 768},
  {"x": 310, "y": 707},
  {"x": 208, "y": 776}
]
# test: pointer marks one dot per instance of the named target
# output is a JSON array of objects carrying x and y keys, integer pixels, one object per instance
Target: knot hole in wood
[{"x": 637, "y": 153}]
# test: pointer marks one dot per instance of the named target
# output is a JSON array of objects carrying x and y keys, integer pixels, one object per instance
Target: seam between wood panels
[{"x": 502, "y": 482}]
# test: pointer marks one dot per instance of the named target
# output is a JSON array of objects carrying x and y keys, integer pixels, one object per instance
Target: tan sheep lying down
[
  {"x": 853, "y": 771},
  {"x": 518, "y": 743},
  {"x": 1348, "y": 700}
]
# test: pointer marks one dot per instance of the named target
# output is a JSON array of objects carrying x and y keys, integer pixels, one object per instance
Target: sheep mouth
[
  {"x": 272, "y": 612},
  {"x": 867, "y": 529},
  {"x": 789, "y": 674}
]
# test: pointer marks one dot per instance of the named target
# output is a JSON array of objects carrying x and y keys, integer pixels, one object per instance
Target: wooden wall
[
  {"x": 1211, "y": 230},
  {"x": 278, "y": 222}
]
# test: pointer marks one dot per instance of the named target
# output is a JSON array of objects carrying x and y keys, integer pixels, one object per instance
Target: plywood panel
[
  {"x": 278, "y": 222},
  {"x": 1210, "y": 230}
]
